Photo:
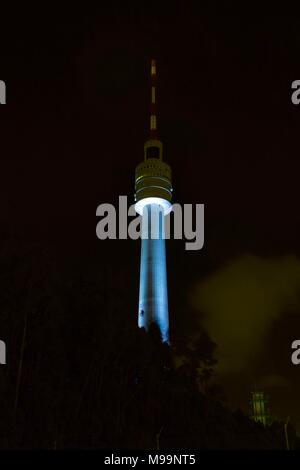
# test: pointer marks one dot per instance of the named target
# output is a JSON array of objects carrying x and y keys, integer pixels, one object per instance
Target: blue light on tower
[{"x": 153, "y": 193}]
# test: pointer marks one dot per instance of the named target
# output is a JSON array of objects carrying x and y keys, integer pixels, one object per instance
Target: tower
[{"x": 153, "y": 193}]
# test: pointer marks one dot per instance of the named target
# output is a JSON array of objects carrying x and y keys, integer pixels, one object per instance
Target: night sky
[{"x": 73, "y": 130}]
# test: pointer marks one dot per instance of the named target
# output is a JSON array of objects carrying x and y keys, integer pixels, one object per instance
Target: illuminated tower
[
  {"x": 258, "y": 408},
  {"x": 153, "y": 193}
]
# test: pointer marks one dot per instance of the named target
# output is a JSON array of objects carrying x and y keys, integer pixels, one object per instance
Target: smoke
[
  {"x": 274, "y": 381},
  {"x": 240, "y": 301}
]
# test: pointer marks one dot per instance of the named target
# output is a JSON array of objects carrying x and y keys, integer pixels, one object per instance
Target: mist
[{"x": 238, "y": 303}]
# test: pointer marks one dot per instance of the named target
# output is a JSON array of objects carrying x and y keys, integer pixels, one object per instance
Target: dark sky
[{"x": 73, "y": 129}]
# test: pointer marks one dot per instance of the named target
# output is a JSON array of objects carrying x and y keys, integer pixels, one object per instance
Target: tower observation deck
[{"x": 153, "y": 194}]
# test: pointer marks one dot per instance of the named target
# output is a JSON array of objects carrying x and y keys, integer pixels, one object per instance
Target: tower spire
[
  {"x": 153, "y": 146},
  {"x": 153, "y": 108}
]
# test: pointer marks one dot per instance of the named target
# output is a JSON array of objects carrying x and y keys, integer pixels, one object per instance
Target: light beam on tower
[{"x": 153, "y": 193}]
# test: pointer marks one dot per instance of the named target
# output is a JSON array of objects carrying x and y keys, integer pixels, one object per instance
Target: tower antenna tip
[{"x": 153, "y": 67}]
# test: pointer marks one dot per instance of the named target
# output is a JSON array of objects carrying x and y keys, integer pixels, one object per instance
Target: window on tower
[{"x": 152, "y": 152}]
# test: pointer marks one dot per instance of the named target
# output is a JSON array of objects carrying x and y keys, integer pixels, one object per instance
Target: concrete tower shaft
[{"x": 153, "y": 295}]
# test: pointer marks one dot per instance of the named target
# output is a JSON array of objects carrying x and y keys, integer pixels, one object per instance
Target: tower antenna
[{"x": 153, "y": 108}]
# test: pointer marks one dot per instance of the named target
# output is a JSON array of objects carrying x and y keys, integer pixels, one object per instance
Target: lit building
[
  {"x": 258, "y": 407},
  {"x": 153, "y": 193}
]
